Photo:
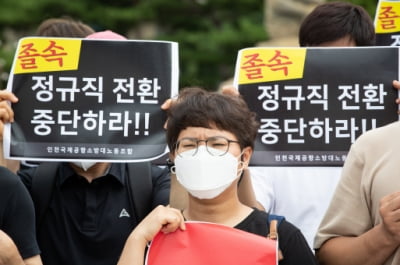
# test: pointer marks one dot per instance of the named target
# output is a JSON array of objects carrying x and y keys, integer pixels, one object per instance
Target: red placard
[{"x": 211, "y": 244}]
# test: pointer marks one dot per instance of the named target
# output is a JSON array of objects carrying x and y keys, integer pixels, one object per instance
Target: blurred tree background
[{"x": 209, "y": 32}]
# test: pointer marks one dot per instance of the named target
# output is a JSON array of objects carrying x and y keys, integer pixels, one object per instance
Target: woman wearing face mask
[{"x": 211, "y": 138}]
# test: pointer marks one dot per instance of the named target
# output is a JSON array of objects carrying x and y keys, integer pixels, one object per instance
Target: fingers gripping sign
[
  {"x": 165, "y": 219},
  {"x": 6, "y": 112},
  {"x": 396, "y": 84}
]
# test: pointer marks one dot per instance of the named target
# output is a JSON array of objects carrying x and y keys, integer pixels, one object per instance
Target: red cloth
[{"x": 211, "y": 244}]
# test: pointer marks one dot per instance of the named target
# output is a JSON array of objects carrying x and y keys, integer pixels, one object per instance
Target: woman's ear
[
  {"x": 246, "y": 156},
  {"x": 171, "y": 156}
]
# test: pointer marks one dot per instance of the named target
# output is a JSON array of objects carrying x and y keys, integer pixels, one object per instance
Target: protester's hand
[
  {"x": 162, "y": 218},
  {"x": 166, "y": 106},
  {"x": 389, "y": 210},
  {"x": 396, "y": 84},
  {"x": 230, "y": 90},
  {"x": 6, "y": 113}
]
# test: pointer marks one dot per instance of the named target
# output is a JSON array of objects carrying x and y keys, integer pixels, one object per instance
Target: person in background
[
  {"x": 64, "y": 27},
  {"x": 211, "y": 137},
  {"x": 362, "y": 223},
  {"x": 86, "y": 203},
  {"x": 337, "y": 24},
  {"x": 302, "y": 194},
  {"x": 18, "y": 244},
  {"x": 55, "y": 27}
]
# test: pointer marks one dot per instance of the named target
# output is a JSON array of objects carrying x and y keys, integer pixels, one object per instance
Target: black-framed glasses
[{"x": 216, "y": 146}]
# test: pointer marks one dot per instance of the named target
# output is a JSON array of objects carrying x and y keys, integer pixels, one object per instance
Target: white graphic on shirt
[{"x": 124, "y": 213}]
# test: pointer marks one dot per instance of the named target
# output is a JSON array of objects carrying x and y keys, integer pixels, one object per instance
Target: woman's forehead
[{"x": 202, "y": 133}]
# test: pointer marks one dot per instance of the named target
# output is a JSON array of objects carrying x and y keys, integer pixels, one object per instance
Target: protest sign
[
  {"x": 387, "y": 23},
  {"x": 211, "y": 244},
  {"x": 312, "y": 103},
  {"x": 90, "y": 99}
]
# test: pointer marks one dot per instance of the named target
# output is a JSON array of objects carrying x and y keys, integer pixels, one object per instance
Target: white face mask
[
  {"x": 206, "y": 176},
  {"x": 85, "y": 165}
]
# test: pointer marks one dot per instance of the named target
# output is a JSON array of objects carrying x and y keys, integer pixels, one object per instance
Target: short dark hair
[
  {"x": 334, "y": 20},
  {"x": 64, "y": 27},
  {"x": 197, "y": 107}
]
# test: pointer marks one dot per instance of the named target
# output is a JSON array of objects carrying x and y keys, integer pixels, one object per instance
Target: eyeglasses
[{"x": 216, "y": 146}]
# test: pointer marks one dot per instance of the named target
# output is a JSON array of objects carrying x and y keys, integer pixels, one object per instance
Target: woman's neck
[{"x": 227, "y": 211}]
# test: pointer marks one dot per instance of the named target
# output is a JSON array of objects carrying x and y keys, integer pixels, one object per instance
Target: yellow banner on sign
[
  {"x": 270, "y": 64},
  {"x": 47, "y": 54},
  {"x": 387, "y": 19}
]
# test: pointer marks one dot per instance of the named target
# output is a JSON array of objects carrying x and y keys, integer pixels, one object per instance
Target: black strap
[
  {"x": 273, "y": 222},
  {"x": 140, "y": 189},
  {"x": 43, "y": 183},
  {"x": 279, "y": 218}
]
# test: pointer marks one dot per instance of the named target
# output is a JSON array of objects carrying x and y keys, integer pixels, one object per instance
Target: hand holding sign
[
  {"x": 396, "y": 84},
  {"x": 6, "y": 116},
  {"x": 161, "y": 219},
  {"x": 6, "y": 113}
]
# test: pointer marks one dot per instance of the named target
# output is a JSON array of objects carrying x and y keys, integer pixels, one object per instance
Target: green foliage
[
  {"x": 209, "y": 32},
  {"x": 6, "y": 57}
]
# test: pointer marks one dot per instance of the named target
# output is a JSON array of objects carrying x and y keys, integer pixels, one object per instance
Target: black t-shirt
[
  {"x": 292, "y": 243},
  {"x": 17, "y": 217},
  {"x": 88, "y": 223}
]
